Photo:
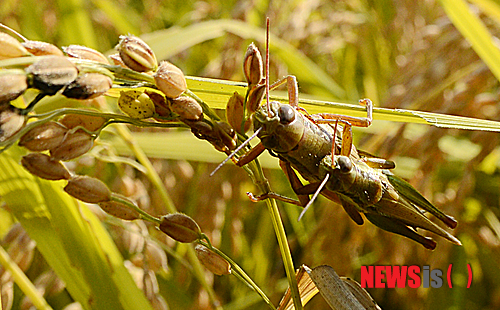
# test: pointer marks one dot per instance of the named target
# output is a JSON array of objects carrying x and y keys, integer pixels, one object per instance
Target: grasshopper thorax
[{"x": 282, "y": 126}]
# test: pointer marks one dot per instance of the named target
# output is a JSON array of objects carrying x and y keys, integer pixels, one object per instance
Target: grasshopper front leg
[
  {"x": 298, "y": 188},
  {"x": 347, "y": 148},
  {"x": 303, "y": 192}
]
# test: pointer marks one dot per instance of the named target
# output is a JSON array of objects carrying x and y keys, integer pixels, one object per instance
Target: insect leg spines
[{"x": 330, "y": 118}]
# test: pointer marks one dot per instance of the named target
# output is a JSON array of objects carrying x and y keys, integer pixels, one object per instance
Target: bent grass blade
[{"x": 217, "y": 92}]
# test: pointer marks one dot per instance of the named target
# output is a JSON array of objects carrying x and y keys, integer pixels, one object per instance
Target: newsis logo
[{"x": 407, "y": 276}]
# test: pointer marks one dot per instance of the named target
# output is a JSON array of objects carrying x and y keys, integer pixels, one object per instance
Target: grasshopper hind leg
[
  {"x": 303, "y": 192},
  {"x": 349, "y": 207},
  {"x": 400, "y": 228},
  {"x": 298, "y": 188}
]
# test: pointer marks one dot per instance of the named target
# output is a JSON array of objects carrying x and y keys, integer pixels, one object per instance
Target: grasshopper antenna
[
  {"x": 14, "y": 32},
  {"x": 323, "y": 183},
  {"x": 267, "y": 103},
  {"x": 267, "y": 68},
  {"x": 236, "y": 151}
]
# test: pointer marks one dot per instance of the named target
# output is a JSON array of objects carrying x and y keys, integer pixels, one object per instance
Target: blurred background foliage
[{"x": 400, "y": 54}]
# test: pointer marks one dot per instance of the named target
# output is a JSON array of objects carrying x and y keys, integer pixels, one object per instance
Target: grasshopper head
[
  {"x": 342, "y": 172},
  {"x": 282, "y": 126}
]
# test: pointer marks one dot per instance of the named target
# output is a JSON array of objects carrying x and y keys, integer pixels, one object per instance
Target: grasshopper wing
[{"x": 413, "y": 196}]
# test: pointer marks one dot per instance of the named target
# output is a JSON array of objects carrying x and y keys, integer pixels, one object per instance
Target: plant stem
[
  {"x": 23, "y": 282},
  {"x": 144, "y": 215},
  {"x": 263, "y": 185},
  {"x": 240, "y": 274},
  {"x": 169, "y": 205},
  {"x": 111, "y": 117}
]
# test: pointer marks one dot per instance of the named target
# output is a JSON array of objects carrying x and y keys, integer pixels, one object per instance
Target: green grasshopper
[{"x": 320, "y": 148}]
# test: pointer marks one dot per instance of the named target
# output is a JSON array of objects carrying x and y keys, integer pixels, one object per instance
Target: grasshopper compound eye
[
  {"x": 345, "y": 164},
  {"x": 286, "y": 114}
]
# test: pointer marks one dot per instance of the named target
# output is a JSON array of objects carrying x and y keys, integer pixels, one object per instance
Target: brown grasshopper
[{"x": 320, "y": 148}]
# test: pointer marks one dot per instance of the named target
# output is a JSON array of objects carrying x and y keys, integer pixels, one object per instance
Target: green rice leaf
[
  {"x": 70, "y": 237},
  {"x": 473, "y": 29},
  {"x": 216, "y": 93}
]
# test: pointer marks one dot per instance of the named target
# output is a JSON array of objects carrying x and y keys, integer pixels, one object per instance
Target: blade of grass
[
  {"x": 70, "y": 237},
  {"x": 20, "y": 192},
  {"x": 159, "y": 145},
  {"x": 474, "y": 30},
  {"x": 169, "y": 42},
  {"x": 76, "y": 23},
  {"x": 218, "y": 92}
]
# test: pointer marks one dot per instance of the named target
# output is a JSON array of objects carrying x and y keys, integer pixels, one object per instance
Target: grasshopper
[{"x": 320, "y": 148}]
